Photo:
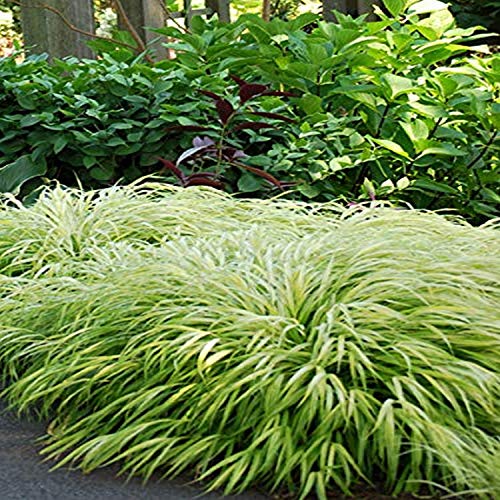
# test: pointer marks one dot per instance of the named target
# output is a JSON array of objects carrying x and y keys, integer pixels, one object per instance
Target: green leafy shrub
[
  {"x": 101, "y": 121},
  {"x": 290, "y": 345},
  {"x": 400, "y": 108},
  {"x": 477, "y": 13},
  {"x": 405, "y": 108}
]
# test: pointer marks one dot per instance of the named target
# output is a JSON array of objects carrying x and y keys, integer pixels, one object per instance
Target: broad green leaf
[
  {"x": 427, "y": 7},
  {"x": 249, "y": 183},
  {"x": 357, "y": 44},
  {"x": 198, "y": 25},
  {"x": 101, "y": 173},
  {"x": 61, "y": 143},
  {"x": 403, "y": 183},
  {"x": 429, "y": 110},
  {"x": 490, "y": 195},
  {"x": 369, "y": 99},
  {"x": 116, "y": 141},
  {"x": 392, "y": 146},
  {"x": 368, "y": 187},
  {"x": 430, "y": 185},
  {"x": 309, "y": 190},
  {"x": 416, "y": 129},
  {"x": 395, "y": 7},
  {"x": 26, "y": 101},
  {"x": 304, "y": 70},
  {"x": 495, "y": 114},
  {"x": 303, "y": 20},
  {"x": 443, "y": 150},
  {"x": 310, "y": 103},
  {"x": 29, "y": 120},
  {"x": 89, "y": 161},
  {"x": 439, "y": 22},
  {"x": 317, "y": 54},
  {"x": 398, "y": 85},
  {"x": 15, "y": 174}
]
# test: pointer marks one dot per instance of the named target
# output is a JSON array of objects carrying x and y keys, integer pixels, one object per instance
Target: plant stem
[
  {"x": 436, "y": 126},
  {"x": 483, "y": 151},
  {"x": 121, "y": 12},
  {"x": 169, "y": 16},
  {"x": 382, "y": 120}
]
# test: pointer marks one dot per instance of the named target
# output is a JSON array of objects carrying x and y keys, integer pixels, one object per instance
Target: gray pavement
[{"x": 24, "y": 476}]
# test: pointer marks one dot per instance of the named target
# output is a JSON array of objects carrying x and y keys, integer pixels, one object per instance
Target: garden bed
[{"x": 298, "y": 347}]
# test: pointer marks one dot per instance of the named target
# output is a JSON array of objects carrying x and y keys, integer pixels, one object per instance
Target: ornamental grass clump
[{"x": 267, "y": 343}]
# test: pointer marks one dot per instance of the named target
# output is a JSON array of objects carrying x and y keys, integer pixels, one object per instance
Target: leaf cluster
[
  {"x": 110, "y": 120},
  {"x": 221, "y": 152}
]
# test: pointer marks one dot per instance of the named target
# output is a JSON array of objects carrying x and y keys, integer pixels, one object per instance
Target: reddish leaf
[
  {"x": 265, "y": 175},
  {"x": 169, "y": 165},
  {"x": 275, "y": 116},
  {"x": 224, "y": 109},
  {"x": 231, "y": 154},
  {"x": 213, "y": 95},
  {"x": 280, "y": 93},
  {"x": 288, "y": 184},
  {"x": 202, "y": 174},
  {"x": 238, "y": 80},
  {"x": 253, "y": 126},
  {"x": 251, "y": 90},
  {"x": 203, "y": 181}
]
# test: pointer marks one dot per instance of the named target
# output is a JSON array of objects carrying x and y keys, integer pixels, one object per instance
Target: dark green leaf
[{"x": 15, "y": 174}]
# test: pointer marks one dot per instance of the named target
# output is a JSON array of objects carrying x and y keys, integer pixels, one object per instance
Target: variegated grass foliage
[{"x": 256, "y": 342}]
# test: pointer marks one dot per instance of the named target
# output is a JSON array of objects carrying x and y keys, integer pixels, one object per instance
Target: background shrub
[
  {"x": 98, "y": 120},
  {"x": 405, "y": 108},
  {"x": 398, "y": 108},
  {"x": 477, "y": 13}
]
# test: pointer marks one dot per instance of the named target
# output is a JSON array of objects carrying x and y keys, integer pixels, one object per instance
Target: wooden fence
[{"x": 61, "y": 26}]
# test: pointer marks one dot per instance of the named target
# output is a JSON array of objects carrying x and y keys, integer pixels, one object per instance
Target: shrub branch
[{"x": 483, "y": 151}]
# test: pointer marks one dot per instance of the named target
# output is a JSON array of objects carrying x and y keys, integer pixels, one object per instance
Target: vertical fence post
[
  {"x": 154, "y": 17},
  {"x": 327, "y": 8},
  {"x": 366, "y": 6},
  {"x": 345, "y": 6},
  {"x": 221, "y": 7},
  {"x": 45, "y": 31},
  {"x": 352, "y": 7},
  {"x": 145, "y": 14}
]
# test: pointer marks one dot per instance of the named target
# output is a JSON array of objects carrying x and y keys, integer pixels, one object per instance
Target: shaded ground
[{"x": 24, "y": 476}]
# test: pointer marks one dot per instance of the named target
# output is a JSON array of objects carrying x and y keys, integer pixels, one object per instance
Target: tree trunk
[
  {"x": 45, "y": 31},
  {"x": 345, "y": 6}
]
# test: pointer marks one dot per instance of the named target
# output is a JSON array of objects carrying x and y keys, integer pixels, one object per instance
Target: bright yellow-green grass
[{"x": 287, "y": 345}]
